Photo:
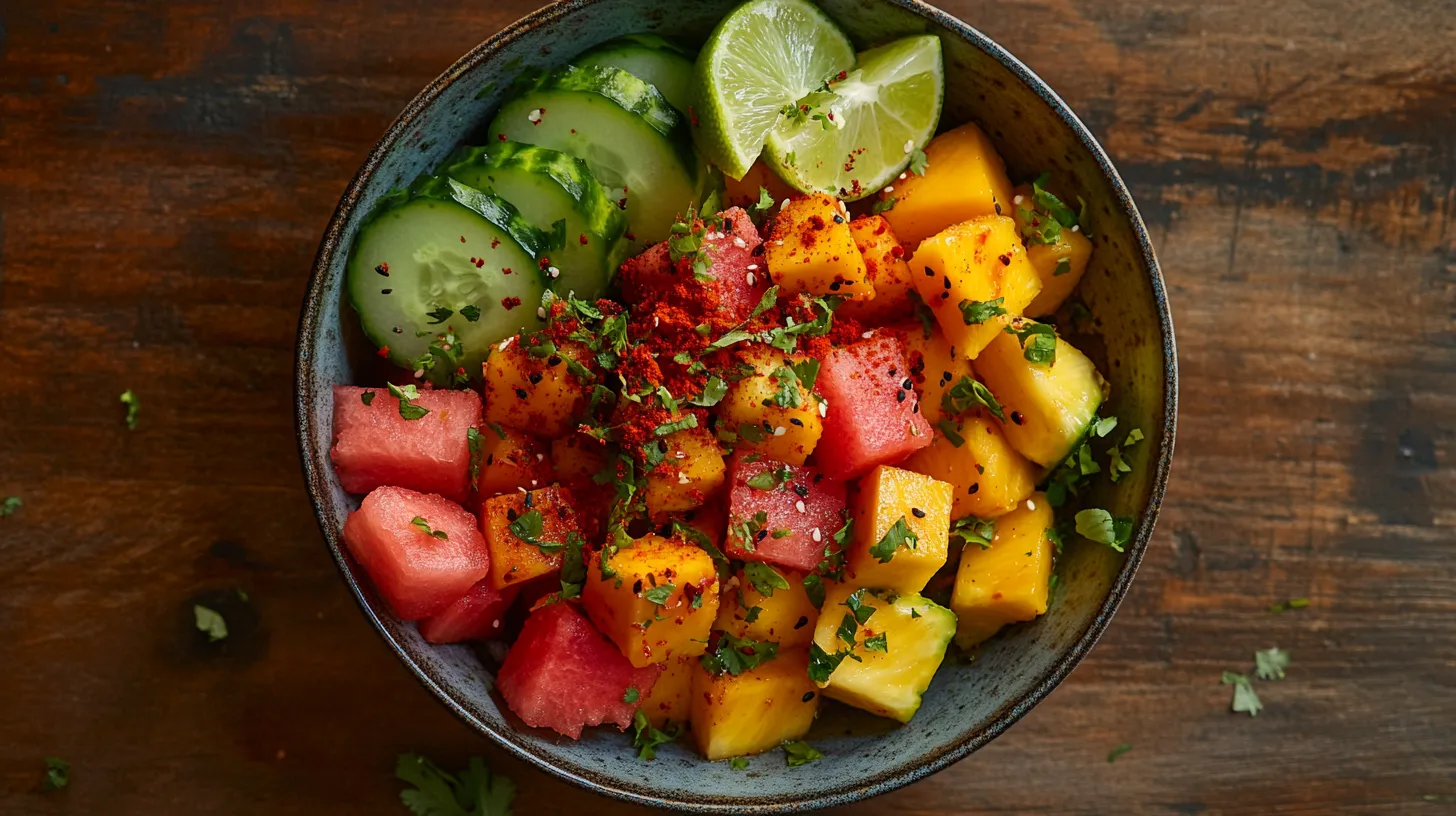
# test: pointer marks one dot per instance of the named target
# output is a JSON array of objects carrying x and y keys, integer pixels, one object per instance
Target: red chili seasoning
[{"x": 510, "y": 302}]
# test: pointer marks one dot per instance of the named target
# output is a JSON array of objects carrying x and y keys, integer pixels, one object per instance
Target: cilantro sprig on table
[{"x": 476, "y": 791}]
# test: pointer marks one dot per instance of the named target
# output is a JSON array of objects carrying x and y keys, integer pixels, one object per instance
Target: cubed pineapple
[
  {"x": 690, "y": 473},
  {"x": 510, "y": 459},
  {"x": 936, "y": 366},
  {"x": 1008, "y": 581},
  {"x": 964, "y": 178},
  {"x": 756, "y": 711},
  {"x": 1049, "y": 404},
  {"x": 885, "y": 267},
  {"x": 670, "y": 701},
  {"x": 526, "y": 532},
  {"x": 811, "y": 249},
  {"x": 974, "y": 276},
  {"x": 654, "y": 599},
  {"x": 531, "y": 389},
  {"x": 878, "y": 651},
  {"x": 781, "y": 414},
  {"x": 1059, "y": 264},
  {"x": 901, "y": 529},
  {"x": 756, "y": 605},
  {"x": 987, "y": 475}
]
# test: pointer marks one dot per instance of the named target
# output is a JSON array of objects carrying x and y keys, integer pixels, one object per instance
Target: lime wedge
[
  {"x": 858, "y": 136},
  {"x": 763, "y": 57}
]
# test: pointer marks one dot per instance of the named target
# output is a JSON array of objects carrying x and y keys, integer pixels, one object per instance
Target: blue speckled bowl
[{"x": 969, "y": 704}]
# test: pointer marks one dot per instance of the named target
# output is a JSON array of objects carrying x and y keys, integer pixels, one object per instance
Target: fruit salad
[{"x": 723, "y": 382}]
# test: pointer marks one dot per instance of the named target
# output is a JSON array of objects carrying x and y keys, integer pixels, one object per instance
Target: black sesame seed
[
  {"x": 521, "y": 392},
  {"x": 802, "y": 622},
  {"x": 839, "y": 219},
  {"x": 385, "y": 291},
  {"x": 489, "y": 459},
  {"x": 802, "y": 491},
  {"x": 998, "y": 207},
  {"x": 796, "y": 421},
  {"x": 834, "y": 287},
  {"x": 511, "y": 514},
  {"x": 907, "y": 384},
  {"x": 553, "y": 361},
  {"x": 917, "y": 512},
  {"x": 818, "y": 477},
  {"x": 980, "y": 469},
  {"x": 929, "y": 273},
  {"x": 1016, "y": 417},
  {"x": 809, "y": 695},
  {"x": 382, "y": 269},
  {"x": 945, "y": 295},
  {"x": 1004, "y": 259},
  {"x": 637, "y": 587},
  {"x": 975, "y": 487},
  {"x": 534, "y": 377},
  {"x": 947, "y": 283},
  {"x": 762, "y": 534},
  {"x": 899, "y": 396},
  {"x": 527, "y": 501}
]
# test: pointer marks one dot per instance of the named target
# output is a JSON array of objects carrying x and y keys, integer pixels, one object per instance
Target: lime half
[
  {"x": 762, "y": 58},
  {"x": 856, "y": 137}
]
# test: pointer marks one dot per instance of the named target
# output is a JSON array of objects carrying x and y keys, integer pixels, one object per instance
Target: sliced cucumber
[
  {"x": 429, "y": 257},
  {"x": 1048, "y": 406},
  {"x": 635, "y": 143},
  {"x": 658, "y": 61},
  {"x": 550, "y": 188}
]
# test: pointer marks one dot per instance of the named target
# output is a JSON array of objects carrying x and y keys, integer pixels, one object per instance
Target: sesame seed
[
  {"x": 682, "y": 478},
  {"x": 533, "y": 483},
  {"x": 752, "y": 267},
  {"x": 534, "y": 116},
  {"x": 909, "y": 145},
  {"x": 867, "y": 335},
  {"x": 778, "y": 243},
  {"x": 783, "y": 204},
  {"x": 816, "y": 535},
  {"x": 419, "y": 372},
  {"x": 917, "y": 512},
  {"x": 540, "y": 457},
  {"x": 679, "y": 455},
  {"x": 903, "y": 175},
  {"x": 553, "y": 271},
  {"x": 656, "y": 321},
  {"x": 799, "y": 505},
  {"x": 1016, "y": 200},
  {"x": 740, "y": 243},
  {"x": 750, "y": 278},
  {"x": 506, "y": 342},
  {"x": 1076, "y": 228},
  {"x": 796, "y": 421},
  {"x": 824, "y": 408},
  {"x": 1030, "y": 505},
  {"x": 780, "y": 431},
  {"x": 889, "y": 189}
]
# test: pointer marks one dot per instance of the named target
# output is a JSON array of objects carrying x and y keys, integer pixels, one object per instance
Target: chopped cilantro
[
  {"x": 822, "y": 664},
  {"x": 57, "y": 775},
  {"x": 1042, "y": 345},
  {"x": 439, "y": 315},
  {"x": 1102, "y": 527},
  {"x": 919, "y": 162},
  {"x": 923, "y": 314},
  {"x": 210, "y": 622},
  {"x": 883, "y": 205},
  {"x": 424, "y": 526},
  {"x": 631, "y": 695},
  {"x": 847, "y": 629},
  {"x": 476, "y": 791},
  {"x": 899, "y": 535},
  {"x": 1117, "y": 752},
  {"x": 855, "y": 603},
  {"x": 471, "y": 312},
  {"x": 473, "y": 442},
  {"x": 799, "y": 753},
  {"x": 973, "y": 530},
  {"x": 788, "y": 394},
  {"x": 735, "y": 655},
  {"x": 1270, "y": 664},
  {"x": 133, "y": 405},
  {"x": 951, "y": 432},
  {"x": 406, "y": 395},
  {"x": 878, "y": 643},
  {"x": 807, "y": 371},
  {"x": 713, "y": 392},
  {"x": 367, "y": 398},
  {"x": 573, "y": 567},
  {"x": 976, "y": 312},
  {"x": 1292, "y": 603},
  {"x": 660, "y": 594},
  {"x": 738, "y": 763},
  {"x": 1064, "y": 266},
  {"x": 764, "y": 578},
  {"x": 1245, "y": 700},
  {"x": 967, "y": 394},
  {"x": 10, "y": 505},
  {"x": 668, "y": 428},
  {"x": 770, "y": 479}
]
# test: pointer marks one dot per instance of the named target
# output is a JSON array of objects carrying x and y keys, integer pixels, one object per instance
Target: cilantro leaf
[
  {"x": 1042, "y": 345},
  {"x": 668, "y": 428},
  {"x": 713, "y": 392},
  {"x": 1064, "y": 266},
  {"x": 770, "y": 479},
  {"x": 1102, "y": 527},
  {"x": 367, "y": 398},
  {"x": 919, "y": 162},
  {"x": 10, "y": 505},
  {"x": 57, "y": 775},
  {"x": 822, "y": 664},
  {"x": 758, "y": 211},
  {"x": 573, "y": 567},
  {"x": 528, "y": 527},
  {"x": 899, "y": 535},
  {"x": 424, "y": 526},
  {"x": 738, "y": 763},
  {"x": 764, "y": 578},
  {"x": 807, "y": 372},
  {"x": 406, "y": 394},
  {"x": 883, "y": 205},
  {"x": 735, "y": 655},
  {"x": 1245, "y": 700},
  {"x": 973, "y": 530},
  {"x": 1117, "y": 752},
  {"x": 209, "y": 621},
  {"x": 951, "y": 432},
  {"x": 1292, "y": 603},
  {"x": 631, "y": 695},
  {"x": 976, "y": 312},
  {"x": 878, "y": 643},
  {"x": 646, "y": 738},
  {"x": 439, "y": 315},
  {"x": 476, "y": 791},
  {"x": 799, "y": 753},
  {"x": 1050, "y": 204},
  {"x": 660, "y": 593},
  {"x": 475, "y": 443},
  {"x": 133, "y": 405},
  {"x": 471, "y": 312},
  {"x": 1270, "y": 664},
  {"x": 788, "y": 394},
  {"x": 856, "y": 605},
  {"x": 967, "y": 394}
]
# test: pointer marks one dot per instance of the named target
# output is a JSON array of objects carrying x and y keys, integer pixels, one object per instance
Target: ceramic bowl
[{"x": 969, "y": 704}]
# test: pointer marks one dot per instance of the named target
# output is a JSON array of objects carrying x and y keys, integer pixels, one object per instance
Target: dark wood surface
[{"x": 166, "y": 171}]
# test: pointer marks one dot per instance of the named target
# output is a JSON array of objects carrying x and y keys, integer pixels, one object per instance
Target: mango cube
[
  {"x": 987, "y": 475},
  {"x": 670, "y": 701},
  {"x": 885, "y": 267},
  {"x": 756, "y": 711},
  {"x": 530, "y": 392},
  {"x": 1008, "y": 581},
  {"x": 782, "y": 415},
  {"x": 782, "y": 615},
  {"x": 526, "y": 533},
  {"x": 689, "y": 474},
  {"x": 811, "y": 249},
  {"x": 936, "y": 366},
  {"x": 898, "y": 643},
  {"x": 1059, "y": 266},
  {"x": 655, "y": 599},
  {"x": 964, "y": 178},
  {"x": 975, "y": 277},
  {"x": 510, "y": 459},
  {"x": 901, "y": 530}
]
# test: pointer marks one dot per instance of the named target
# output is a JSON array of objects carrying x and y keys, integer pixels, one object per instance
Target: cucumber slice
[
  {"x": 1048, "y": 407},
  {"x": 658, "y": 61},
  {"x": 635, "y": 143},
  {"x": 550, "y": 187},
  {"x": 441, "y": 245}
]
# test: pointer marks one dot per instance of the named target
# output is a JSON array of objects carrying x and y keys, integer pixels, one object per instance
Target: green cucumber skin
[
  {"x": 600, "y": 219},
  {"x": 498, "y": 220},
  {"x": 665, "y": 65}
]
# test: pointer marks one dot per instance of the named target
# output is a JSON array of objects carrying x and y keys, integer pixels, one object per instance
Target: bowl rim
[{"x": 1010, "y": 712}]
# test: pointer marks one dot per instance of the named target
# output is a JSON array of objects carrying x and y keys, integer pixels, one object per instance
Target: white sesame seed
[
  {"x": 824, "y": 408},
  {"x": 495, "y": 624},
  {"x": 541, "y": 312},
  {"x": 799, "y": 505},
  {"x": 780, "y": 431},
  {"x": 778, "y": 243},
  {"x": 679, "y": 455},
  {"x": 752, "y": 267},
  {"x": 1030, "y": 505},
  {"x": 506, "y": 342},
  {"x": 783, "y": 204},
  {"x": 903, "y": 176},
  {"x": 750, "y": 278},
  {"x": 419, "y": 372},
  {"x": 553, "y": 271},
  {"x": 867, "y": 335},
  {"x": 534, "y": 116},
  {"x": 816, "y": 535},
  {"x": 682, "y": 478},
  {"x": 1076, "y": 228},
  {"x": 739, "y": 242},
  {"x": 521, "y": 489},
  {"x": 909, "y": 145},
  {"x": 533, "y": 483},
  {"x": 890, "y": 189},
  {"x": 656, "y": 321}
]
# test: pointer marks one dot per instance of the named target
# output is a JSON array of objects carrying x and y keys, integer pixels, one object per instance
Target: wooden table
[{"x": 165, "y": 174}]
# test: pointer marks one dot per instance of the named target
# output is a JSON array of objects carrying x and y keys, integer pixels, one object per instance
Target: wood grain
[{"x": 166, "y": 171}]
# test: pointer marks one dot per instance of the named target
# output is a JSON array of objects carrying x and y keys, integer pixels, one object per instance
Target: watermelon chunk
[
  {"x": 811, "y": 529},
  {"x": 725, "y": 288},
  {"x": 562, "y": 674},
  {"x": 478, "y": 615},
  {"x": 417, "y": 572},
  {"x": 375, "y": 446},
  {"x": 874, "y": 413}
]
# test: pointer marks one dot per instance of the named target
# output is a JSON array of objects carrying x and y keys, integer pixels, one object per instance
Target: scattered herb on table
[
  {"x": 1117, "y": 752},
  {"x": 133, "y": 405},
  {"x": 476, "y": 791},
  {"x": 209, "y": 621},
  {"x": 57, "y": 775}
]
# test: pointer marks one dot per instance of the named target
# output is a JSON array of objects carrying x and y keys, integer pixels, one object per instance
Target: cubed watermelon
[
  {"x": 731, "y": 286},
  {"x": 562, "y": 674},
  {"x": 800, "y": 500},
  {"x": 873, "y": 417},
  {"x": 422, "y": 551},
  {"x": 375, "y": 446},
  {"x": 478, "y": 615}
]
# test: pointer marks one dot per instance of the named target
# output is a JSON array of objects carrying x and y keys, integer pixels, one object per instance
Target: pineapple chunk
[
  {"x": 510, "y": 459},
  {"x": 987, "y": 475},
  {"x": 1006, "y": 582},
  {"x": 784, "y": 616},
  {"x": 516, "y": 527},
  {"x": 530, "y": 393},
  {"x": 1048, "y": 406},
  {"x": 1060, "y": 267},
  {"x": 810, "y": 249},
  {"x": 756, "y": 711},
  {"x": 655, "y": 599},
  {"x": 692, "y": 471},
  {"x": 670, "y": 701},
  {"x": 965, "y": 178},
  {"x": 888, "y": 274},
  {"x": 770, "y": 399},
  {"x": 899, "y": 647},
  {"x": 975, "y": 277},
  {"x": 901, "y": 529},
  {"x": 936, "y": 366}
]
